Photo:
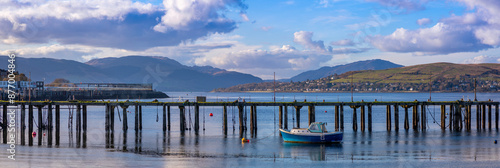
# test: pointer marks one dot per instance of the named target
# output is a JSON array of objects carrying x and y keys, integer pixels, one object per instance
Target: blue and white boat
[{"x": 316, "y": 133}]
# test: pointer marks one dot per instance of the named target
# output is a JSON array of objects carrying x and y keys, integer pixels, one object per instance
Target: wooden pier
[{"x": 455, "y": 109}]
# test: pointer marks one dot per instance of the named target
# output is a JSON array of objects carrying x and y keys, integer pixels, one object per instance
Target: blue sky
[{"x": 258, "y": 37}]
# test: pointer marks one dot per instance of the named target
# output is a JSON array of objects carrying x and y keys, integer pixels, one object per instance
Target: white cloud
[
  {"x": 122, "y": 24},
  {"x": 424, "y": 21},
  {"x": 482, "y": 59},
  {"x": 195, "y": 14},
  {"x": 345, "y": 42},
  {"x": 305, "y": 38}
]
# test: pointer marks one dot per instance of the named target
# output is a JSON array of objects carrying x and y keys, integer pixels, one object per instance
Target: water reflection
[{"x": 316, "y": 152}]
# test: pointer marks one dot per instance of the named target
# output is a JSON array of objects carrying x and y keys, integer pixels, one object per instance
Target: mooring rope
[{"x": 118, "y": 110}]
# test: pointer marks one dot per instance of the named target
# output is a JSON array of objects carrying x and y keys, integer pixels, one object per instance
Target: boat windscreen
[{"x": 314, "y": 128}]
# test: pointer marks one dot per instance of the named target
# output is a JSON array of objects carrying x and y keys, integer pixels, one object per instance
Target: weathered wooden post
[
  {"x": 136, "y": 118},
  {"x": 388, "y": 117},
  {"x": 196, "y": 118},
  {"x": 407, "y": 122},
  {"x": 312, "y": 114},
  {"x": 280, "y": 118},
  {"x": 423, "y": 117},
  {"x": 443, "y": 117},
  {"x": 483, "y": 116},
  {"x": 164, "y": 118},
  {"x": 140, "y": 118},
  {"x": 78, "y": 125},
  {"x": 224, "y": 118},
  {"x": 30, "y": 124},
  {"x": 255, "y": 119},
  {"x": 286, "y": 117},
  {"x": 49, "y": 126},
  {"x": 469, "y": 117},
  {"x": 23, "y": 124},
  {"x": 478, "y": 117},
  {"x": 125, "y": 120},
  {"x": 297, "y": 113},
  {"x": 336, "y": 118},
  {"x": 182, "y": 124},
  {"x": 354, "y": 119},
  {"x": 489, "y": 116},
  {"x": 40, "y": 124},
  {"x": 4, "y": 122},
  {"x": 112, "y": 127},
  {"x": 168, "y": 117},
  {"x": 107, "y": 123},
  {"x": 362, "y": 118},
  {"x": 240, "y": 117},
  {"x": 84, "y": 117},
  {"x": 341, "y": 117},
  {"x": 452, "y": 109},
  {"x": 396, "y": 117},
  {"x": 370, "y": 118},
  {"x": 456, "y": 118},
  {"x": 58, "y": 124},
  {"x": 252, "y": 120}
]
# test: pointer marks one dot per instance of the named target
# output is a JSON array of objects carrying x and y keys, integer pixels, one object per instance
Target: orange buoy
[
  {"x": 33, "y": 134},
  {"x": 243, "y": 140},
  {"x": 211, "y": 114}
]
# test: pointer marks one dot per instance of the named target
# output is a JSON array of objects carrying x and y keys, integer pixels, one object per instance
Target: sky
[{"x": 257, "y": 37}]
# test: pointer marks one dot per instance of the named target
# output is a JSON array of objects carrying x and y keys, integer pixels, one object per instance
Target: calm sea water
[{"x": 211, "y": 148}]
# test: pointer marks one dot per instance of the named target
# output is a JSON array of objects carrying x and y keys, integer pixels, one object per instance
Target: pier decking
[{"x": 456, "y": 121}]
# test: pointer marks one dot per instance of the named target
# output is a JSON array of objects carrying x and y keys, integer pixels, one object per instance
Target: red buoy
[
  {"x": 33, "y": 134},
  {"x": 44, "y": 134},
  {"x": 211, "y": 114},
  {"x": 325, "y": 111}
]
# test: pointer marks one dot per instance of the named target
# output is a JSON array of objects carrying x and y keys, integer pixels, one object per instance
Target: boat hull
[{"x": 331, "y": 137}]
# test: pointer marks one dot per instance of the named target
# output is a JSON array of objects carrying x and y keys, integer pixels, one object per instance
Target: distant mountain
[
  {"x": 376, "y": 64},
  {"x": 165, "y": 74}
]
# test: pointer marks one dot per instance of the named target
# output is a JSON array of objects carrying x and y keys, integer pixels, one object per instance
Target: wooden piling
[
  {"x": 354, "y": 119},
  {"x": 78, "y": 125},
  {"x": 125, "y": 116},
  {"x": 252, "y": 120},
  {"x": 240, "y": 117},
  {"x": 407, "y": 122},
  {"x": 84, "y": 117},
  {"x": 182, "y": 120},
  {"x": 280, "y": 117},
  {"x": 224, "y": 118},
  {"x": 255, "y": 119},
  {"x": 483, "y": 116},
  {"x": 136, "y": 118},
  {"x": 112, "y": 126},
  {"x": 30, "y": 125},
  {"x": 469, "y": 117},
  {"x": 58, "y": 124},
  {"x": 196, "y": 118},
  {"x": 443, "y": 117},
  {"x": 286, "y": 117},
  {"x": 140, "y": 118},
  {"x": 164, "y": 118},
  {"x": 370, "y": 118},
  {"x": 489, "y": 116},
  {"x": 342, "y": 118},
  {"x": 312, "y": 114},
  {"x": 415, "y": 116},
  {"x": 478, "y": 117},
  {"x": 452, "y": 109},
  {"x": 107, "y": 123},
  {"x": 23, "y": 124},
  {"x": 396, "y": 117},
  {"x": 388, "y": 117},
  {"x": 168, "y": 117},
  {"x": 297, "y": 113},
  {"x": 456, "y": 117},
  {"x": 40, "y": 124},
  {"x": 4, "y": 122},
  {"x": 49, "y": 126},
  {"x": 423, "y": 123},
  {"x": 336, "y": 118},
  {"x": 362, "y": 118}
]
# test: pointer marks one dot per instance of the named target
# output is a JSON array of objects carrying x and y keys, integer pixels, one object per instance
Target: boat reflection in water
[{"x": 316, "y": 152}]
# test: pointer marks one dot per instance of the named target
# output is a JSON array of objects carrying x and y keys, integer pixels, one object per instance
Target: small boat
[{"x": 316, "y": 133}]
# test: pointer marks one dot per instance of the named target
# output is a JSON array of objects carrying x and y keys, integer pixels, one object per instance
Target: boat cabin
[{"x": 317, "y": 127}]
